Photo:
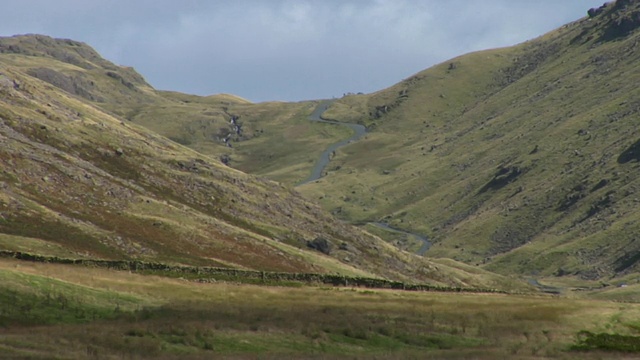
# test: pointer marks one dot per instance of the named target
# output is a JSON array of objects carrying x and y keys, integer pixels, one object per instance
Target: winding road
[{"x": 325, "y": 157}]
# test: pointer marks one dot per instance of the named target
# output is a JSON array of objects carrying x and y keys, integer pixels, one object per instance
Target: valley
[
  {"x": 483, "y": 208},
  {"x": 517, "y": 159}
]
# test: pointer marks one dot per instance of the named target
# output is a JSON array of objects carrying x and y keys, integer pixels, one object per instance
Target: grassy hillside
[
  {"x": 273, "y": 139},
  {"x": 519, "y": 159},
  {"x": 522, "y": 159},
  {"x": 77, "y": 69}
]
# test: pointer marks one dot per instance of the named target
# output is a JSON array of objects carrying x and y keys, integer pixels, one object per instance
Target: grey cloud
[{"x": 285, "y": 49}]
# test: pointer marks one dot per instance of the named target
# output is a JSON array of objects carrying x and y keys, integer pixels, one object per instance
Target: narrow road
[{"x": 325, "y": 157}]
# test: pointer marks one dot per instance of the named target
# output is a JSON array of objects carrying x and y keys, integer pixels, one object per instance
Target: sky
[{"x": 286, "y": 50}]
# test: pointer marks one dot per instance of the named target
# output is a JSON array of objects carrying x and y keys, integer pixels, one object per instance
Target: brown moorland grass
[{"x": 152, "y": 317}]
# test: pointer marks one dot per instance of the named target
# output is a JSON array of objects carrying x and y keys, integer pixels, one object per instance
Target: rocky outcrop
[
  {"x": 91, "y": 77},
  {"x": 631, "y": 154},
  {"x": 320, "y": 244},
  {"x": 620, "y": 18},
  {"x": 233, "y": 132},
  {"x": 622, "y": 26},
  {"x": 593, "y": 12},
  {"x": 76, "y": 85}
]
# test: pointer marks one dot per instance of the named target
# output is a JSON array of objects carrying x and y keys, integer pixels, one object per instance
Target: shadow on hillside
[
  {"x": 503, "y": 177},
  {"x": 631, "y": 154}
]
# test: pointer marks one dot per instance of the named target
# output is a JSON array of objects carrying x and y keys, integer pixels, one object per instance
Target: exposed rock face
[
  {"x": 74, "y": 85},
  {"x": 593, "y": 12},
  {"x": 619, "y": 4},
  {"x": 621, "y": 18},
  {"x": 632, "y": 153},
  {"x": 623, "y": 25},
  {"x": 225, "y": 159},
  {"x": 320, "y": 244}
]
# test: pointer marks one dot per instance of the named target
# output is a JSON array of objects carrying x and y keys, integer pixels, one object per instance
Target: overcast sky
[{"x": 286, "y": 49}]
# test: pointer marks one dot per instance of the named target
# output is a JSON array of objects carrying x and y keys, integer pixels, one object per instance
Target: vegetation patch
[
  {"x": 36, "y": 300},
  {"x": 40, "y": 227},
  {"x": 610, "y": 342}
]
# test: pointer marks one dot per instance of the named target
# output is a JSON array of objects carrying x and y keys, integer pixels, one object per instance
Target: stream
[
  {"x": 545, "y": 288},
  {"x": 426, "y": 244},
  {"x": 325, "y": 158}
]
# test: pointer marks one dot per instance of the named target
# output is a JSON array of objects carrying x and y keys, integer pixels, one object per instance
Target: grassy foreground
[{"x": 56, "y": 311}]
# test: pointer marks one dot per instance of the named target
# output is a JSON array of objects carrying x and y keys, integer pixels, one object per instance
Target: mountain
[
  {"x": 520, "y": 160},
  {"x": 82, "y": 180}
]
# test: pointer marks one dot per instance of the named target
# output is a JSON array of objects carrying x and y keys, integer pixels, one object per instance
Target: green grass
[
  {"x": 104, "y": 186},
  {"x": 35, "y": 246},
  {"x": 608, "y": 342},
  {"x": 38, "y": 300},
  {"x": 557, "y": 113}
]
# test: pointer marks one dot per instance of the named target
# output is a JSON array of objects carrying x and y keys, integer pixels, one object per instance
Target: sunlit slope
[
  {"x": 76, "y": 176},
  {"x": 77, "y": 69},
  {"x": 521, "y": 158}
]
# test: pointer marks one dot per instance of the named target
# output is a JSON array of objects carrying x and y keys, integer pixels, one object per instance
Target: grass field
[{"x": 57, "y": 311}]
